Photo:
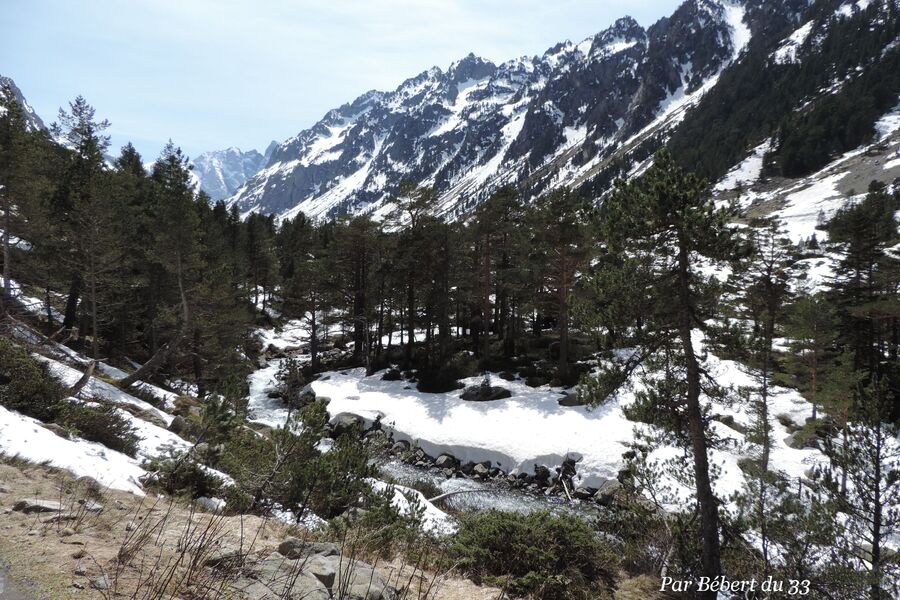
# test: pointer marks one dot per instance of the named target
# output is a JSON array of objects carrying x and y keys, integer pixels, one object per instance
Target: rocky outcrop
[{"x": 311, "y": 571}]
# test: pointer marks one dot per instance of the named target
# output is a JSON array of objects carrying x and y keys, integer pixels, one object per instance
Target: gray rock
[
  {"x": 570, "y": 399},
  {"x": 583, "y": 493},
  {"x": 36, "y": 505},
  {"x": 483, "y": 393},
  {"x": 278, "y": 577},
  {"x": 91, "y": 506},
  {"x": 225, "y": 558},
  {"x": 178, "y": 425},
  {"x": 295, "y": 548},
  {"x": 324, "y": 568},
  {"x": 445, "y": 461},
  {"x": 346, "y": 424},
  {"x": 607, "y": 492},
  {"x": 480, "y": 470},
  {"x": 400, "y": 446},
  {"x": 101, "y": 583},
  {"x": 796, "y": 442}
]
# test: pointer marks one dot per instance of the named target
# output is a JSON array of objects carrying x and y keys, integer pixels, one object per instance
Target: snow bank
[
  {"x": 434, "y": 520},
  {"x": 25, "y": 437},
  {"x": 97, "y": 387},
  {"x": 531, "y": 428}
]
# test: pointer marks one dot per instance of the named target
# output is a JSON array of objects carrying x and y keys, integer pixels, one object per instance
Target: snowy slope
[
  {"x": 32, "y": 121},
  {"x": 539, "y": 122}
]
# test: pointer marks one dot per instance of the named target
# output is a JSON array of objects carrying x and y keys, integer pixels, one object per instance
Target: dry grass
[{"x": 149, "y": 548}]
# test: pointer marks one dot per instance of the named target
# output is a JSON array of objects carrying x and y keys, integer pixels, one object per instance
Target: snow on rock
[
  {"x": 25, "y": 437},
  {"x": 787, "y": 50}
]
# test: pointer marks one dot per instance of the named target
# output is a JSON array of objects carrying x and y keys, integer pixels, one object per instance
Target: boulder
[
  {"x": 318, "y": 577},
  {"x": 277, "y": 577},
  {"x": 570, "y": 399},
  {"x": 57, "y": 429},
  {"x": 36, "y": 505},
  {"x": 178, "y": 425},
  {"x": 584, "y": 493},
  {"x": 101, "y": 583},
  {"x": 485, "y": 393},
  {"x": 294, "y": 548},
  {"x": 607, "y": 492},
  {"x": 446, "y": 461},
  {"x": 801, "y": 442},
  {"x": 347, "y": 424},
  {"x": 224, "y": 558},
  {"x": 400, "y": 446},
  {"x": 481, "y": 471},
  {"x": 541, "y": 474}
]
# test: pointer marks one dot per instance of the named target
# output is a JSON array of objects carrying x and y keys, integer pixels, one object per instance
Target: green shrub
[
  {"x": 539, "y": 555},
  {"x": 177, "y": 473},
  {"x": 100, "y": 423},
  {"x": 26, "y": 385}
]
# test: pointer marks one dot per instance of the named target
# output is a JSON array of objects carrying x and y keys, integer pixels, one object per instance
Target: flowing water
[{"x": 486, "y": 494}]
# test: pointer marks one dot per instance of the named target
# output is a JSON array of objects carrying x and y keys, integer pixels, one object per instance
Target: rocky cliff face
[
  {"x": 537, "y": 122},
  {"x": 32, "y": 120},
  {"x": 222, "y": 172}
]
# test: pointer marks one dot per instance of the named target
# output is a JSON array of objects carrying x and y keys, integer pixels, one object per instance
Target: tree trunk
[
  {"x": 313, "y": 339},
  {"x": 411, "y": 321},
  {"x": 709, "y": 512},
  {"x": 71, "y": 315},
  {"x": 162, "y": 355},
  {"x": 563, "y": 319},
  {"x": 6, "y": 296}
]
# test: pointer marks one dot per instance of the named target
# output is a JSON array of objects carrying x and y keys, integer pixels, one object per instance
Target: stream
[{"x": 489, "y": 494}]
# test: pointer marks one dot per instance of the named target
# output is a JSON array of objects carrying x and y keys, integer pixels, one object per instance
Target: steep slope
[
  {"x": 713, "y": 81},
  {"x": 536, "y": 121},
  {"x": 32, "y": 120},
  {"x": 222, "y": 172}
]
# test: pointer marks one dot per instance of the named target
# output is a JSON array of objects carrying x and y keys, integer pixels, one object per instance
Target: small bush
[
  {"x": 392, "y": 375},
  {"x": 180, "y": 474},
  {"x": 26, "y": 385},
  {"x": 99, "y": 423},
  {"x": 539, "y": 555}
]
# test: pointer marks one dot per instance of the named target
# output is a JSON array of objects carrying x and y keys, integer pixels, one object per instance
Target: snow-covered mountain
[
  {"x": 32, "y": 120},
  {"x": 537, "y": 122},
  {"x": 222, "y": 172}
]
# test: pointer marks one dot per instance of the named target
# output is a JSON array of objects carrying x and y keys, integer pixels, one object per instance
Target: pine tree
[
  {"x": 869, "y": 456},
  {"x": 91, "y": 212},
  {"x": 561, "y": 235},
  {"x": 811, "y": 327},
  {"x": 665, "y": 219},
  {"x": 412, "y": 207}
]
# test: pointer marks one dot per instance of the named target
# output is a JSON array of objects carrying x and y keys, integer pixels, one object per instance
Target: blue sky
[{"x": 217, "y": 73}]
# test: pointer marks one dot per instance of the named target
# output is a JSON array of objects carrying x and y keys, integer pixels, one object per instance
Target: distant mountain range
[
  {"x": 222, "y": 172},
  {"x": 789, "y": 85}
]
